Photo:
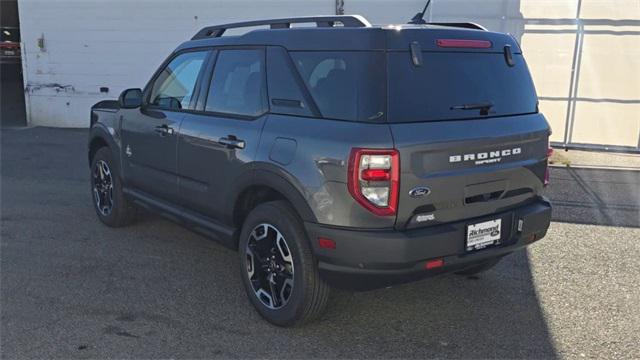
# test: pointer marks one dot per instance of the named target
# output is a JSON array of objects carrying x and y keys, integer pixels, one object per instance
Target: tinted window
[
  {"x": 173, "y": 89},
  {"x": 285, "y": 93},
  {"x": 447, "y": 82},
  {"x": 237, "y": 86},
  {"x": 345, "y": 85}
]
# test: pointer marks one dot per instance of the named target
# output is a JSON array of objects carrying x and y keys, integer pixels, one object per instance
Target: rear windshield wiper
[
  {"x": 480, "y": 106},
  {"x": 483, "y": 107}
]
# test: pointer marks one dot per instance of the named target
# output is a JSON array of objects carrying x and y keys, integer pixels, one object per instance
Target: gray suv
[{"x": 342, "y": 154}]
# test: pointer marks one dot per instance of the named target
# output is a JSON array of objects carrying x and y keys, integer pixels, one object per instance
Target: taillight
[
  {"x": 374, "y": 179},
  {"x": 459, "y": 43}
]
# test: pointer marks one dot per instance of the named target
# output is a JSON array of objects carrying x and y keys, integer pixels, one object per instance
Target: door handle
[
  {"x": 232, "y": 142},
  {"x": 164, "y": 130}
]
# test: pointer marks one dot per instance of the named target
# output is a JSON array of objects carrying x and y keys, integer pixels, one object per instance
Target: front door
[
  {"x": 149, "y": 133},
  {"x": 217, "y": 142}
]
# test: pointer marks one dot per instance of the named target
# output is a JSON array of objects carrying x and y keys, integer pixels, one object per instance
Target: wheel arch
[
  {"x": 99, "y": 138},
  {"x": 268, "y": 185},
  {"x": 96, "y": 144}
]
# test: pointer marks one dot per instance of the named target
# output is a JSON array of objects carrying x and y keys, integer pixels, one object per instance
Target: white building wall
[{"x": 89, "y": 44}]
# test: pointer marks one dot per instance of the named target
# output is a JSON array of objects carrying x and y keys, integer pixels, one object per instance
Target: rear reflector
[
  {"x": 326, "y": 243},
  {"x": 435, "y": 263},
  {"x": 547, "y": 179},
  {"x": 459, "y": 43}
]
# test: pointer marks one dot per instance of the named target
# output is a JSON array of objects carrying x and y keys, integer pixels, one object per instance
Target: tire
[
  {"x": 479, "y": 268},
  {"x": 292, "y": 269},
  {"x": 109, "y": 202}
]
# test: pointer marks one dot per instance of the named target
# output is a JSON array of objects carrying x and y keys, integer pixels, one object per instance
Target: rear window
[
  {"x": 451, "y": 86},
  {"x": 345, "y": 85}
]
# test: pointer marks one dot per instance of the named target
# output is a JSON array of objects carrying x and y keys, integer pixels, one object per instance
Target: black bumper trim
[{"x": 369, "y": 259}]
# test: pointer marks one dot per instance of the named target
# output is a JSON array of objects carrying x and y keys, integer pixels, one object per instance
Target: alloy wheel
[
  {"x": 103, "y": 187},
  {"x": 269, "y": 266}
]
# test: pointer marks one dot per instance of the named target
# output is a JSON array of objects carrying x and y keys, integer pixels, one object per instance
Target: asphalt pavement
[
  {"x": 12, "y": 109},
  {"x": 73, "y": 288}
]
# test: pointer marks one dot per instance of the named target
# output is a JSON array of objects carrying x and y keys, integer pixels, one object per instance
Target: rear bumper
[{"x": 369, "y": 259}]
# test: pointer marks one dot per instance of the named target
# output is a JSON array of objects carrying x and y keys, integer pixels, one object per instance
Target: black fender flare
[
  {"x": 99, "y": 132},
  {"x": 278, "y": 179}
]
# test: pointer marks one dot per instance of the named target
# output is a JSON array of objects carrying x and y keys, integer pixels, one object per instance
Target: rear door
[
  {"x": 149, "y": 133},
  {"x": 463, "y": 114},
  {"x": 220, "y": 138}
]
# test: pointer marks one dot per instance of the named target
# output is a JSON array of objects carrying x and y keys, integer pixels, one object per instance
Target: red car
[{"x": 10, "y": 45}]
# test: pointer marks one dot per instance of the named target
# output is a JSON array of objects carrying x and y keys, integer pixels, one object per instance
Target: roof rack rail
[
  {"x": 468, "y": 25},
  {"x": 321, "y": 21}
]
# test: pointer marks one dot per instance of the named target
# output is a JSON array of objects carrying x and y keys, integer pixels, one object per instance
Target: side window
[
  {"x": 237, "y": 85},
  {"x": 286, "y": 95},
  {"x": 174, "y": 87},
  {"x": 323, "y": 69}
]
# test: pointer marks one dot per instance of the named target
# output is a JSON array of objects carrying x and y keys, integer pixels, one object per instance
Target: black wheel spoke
[
  {"x": 275, "y": 296},
  {"x": 285, "y": 275}
]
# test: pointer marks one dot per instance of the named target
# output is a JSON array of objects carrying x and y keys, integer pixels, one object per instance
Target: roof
[{"x": 355, "y": 34}]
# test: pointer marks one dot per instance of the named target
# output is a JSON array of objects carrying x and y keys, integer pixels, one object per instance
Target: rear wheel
[
  {"x": 278, "y": 270},
  {"x": 112, "y": 207},
  {"x": 479, "y": 268}
]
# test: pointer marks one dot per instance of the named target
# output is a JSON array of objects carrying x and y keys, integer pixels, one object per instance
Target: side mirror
[{"x": 130, "y": 99}]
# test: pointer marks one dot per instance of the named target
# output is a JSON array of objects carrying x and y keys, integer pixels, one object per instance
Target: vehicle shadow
[
  {"x": 496, "y": 314},
  {"x": 595, "y": 196}
]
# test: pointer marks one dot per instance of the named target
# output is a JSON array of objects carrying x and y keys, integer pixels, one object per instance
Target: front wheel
[
  {"x": 277, "y": 267},
  {"x": 111, "y": 206}
]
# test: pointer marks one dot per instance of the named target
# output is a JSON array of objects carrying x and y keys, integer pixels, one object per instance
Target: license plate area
[{"x": 484, "y": 234}]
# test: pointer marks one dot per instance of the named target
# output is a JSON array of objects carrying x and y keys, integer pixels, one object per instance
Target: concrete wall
[{"x": 584, "y": 54}]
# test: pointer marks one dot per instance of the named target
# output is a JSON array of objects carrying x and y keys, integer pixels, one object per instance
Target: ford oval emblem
[{"x": 419, "y": 191}]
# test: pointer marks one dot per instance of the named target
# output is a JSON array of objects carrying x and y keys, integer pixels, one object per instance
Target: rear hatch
[
  {"x": 10, "y": 42},
  {"x": 462, "y": 110}
]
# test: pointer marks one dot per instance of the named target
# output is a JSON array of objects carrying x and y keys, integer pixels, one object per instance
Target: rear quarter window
[
  {"x": 344, "y": 85},
  {"x": 286, "y": 94}
]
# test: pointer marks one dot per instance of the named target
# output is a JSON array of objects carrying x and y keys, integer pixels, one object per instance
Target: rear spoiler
[{"x": 462, "y": 25}]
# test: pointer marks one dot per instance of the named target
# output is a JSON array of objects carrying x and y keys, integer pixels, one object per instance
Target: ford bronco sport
[{"x": 341, "y": 154}]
